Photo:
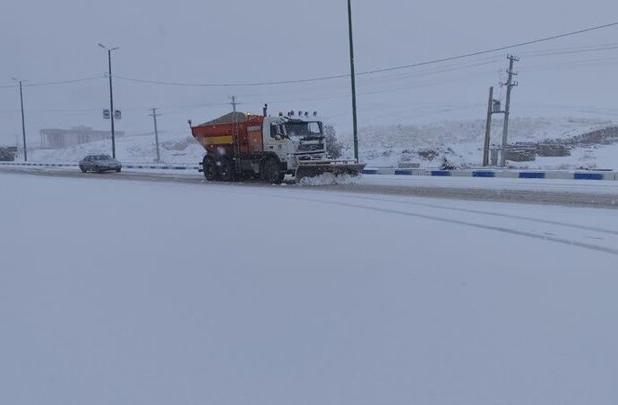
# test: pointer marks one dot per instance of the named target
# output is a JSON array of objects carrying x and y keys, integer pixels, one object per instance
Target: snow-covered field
[
  {"x": 155, "y": 293},
  {"x": 135, "y": 149},
  {"x": 592, "y": 157},
  {"x": 459, "y": 141}
]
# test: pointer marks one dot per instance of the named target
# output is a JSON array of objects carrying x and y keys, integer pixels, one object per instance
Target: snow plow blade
[{"x": 337, "y": 168}]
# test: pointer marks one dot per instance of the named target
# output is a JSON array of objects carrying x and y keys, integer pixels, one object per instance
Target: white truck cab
[{"x": 294, "y": 140}]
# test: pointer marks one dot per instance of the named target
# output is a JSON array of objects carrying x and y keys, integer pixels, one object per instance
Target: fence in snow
[{"x": 488, "y": 173}]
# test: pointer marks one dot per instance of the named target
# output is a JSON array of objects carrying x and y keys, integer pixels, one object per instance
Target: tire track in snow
[
  {"x": 233, "y": 187},
  {"x": 490, "y": 213},
  {"x": 511, "y": 231},
  {"x": 502, "y": 229}
]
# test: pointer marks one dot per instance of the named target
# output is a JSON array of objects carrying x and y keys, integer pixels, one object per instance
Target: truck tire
[
  {"x": 271, "y": 172},
  {"x": 225, "y": 170},
  {"x": 210, "y": 168}
]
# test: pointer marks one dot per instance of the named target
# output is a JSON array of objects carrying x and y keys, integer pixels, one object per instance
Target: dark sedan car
[{"x": 99, "y": 164}]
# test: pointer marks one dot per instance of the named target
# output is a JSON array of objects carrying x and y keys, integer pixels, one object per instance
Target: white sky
[{"x": 222, "y": 41}]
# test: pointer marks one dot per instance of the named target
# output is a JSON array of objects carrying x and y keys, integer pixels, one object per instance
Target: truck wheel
[
  {"x": 226, "y": 170},
  {"x": 210, "y": 168},
  {"x": 83, "y": 169},
  {"x": 272, "y": 172}
]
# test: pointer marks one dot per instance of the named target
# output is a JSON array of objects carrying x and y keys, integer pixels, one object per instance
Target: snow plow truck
[{"x": 246, "y": 146}]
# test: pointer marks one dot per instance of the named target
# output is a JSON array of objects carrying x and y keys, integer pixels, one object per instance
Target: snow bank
[{"x": 329, "y": 179}]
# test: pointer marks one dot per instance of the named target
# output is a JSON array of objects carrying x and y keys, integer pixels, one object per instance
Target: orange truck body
[{"x": 219, "y": 137}]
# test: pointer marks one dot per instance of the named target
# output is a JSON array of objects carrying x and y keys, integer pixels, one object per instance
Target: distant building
[{"x": 61, "y": 138}]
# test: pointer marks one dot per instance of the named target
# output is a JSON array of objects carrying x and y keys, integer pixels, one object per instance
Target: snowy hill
[
  {"x": 459, "y": 141},
  {"x": 135, "y": 149}
]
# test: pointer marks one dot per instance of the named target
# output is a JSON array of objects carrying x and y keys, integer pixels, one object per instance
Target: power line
[
  {"x": 380, "y": 70},
  {"x": 55, "y": 83},
  {"x": 60, "y": 82},
  {"x": 363, "y": 73},
  {"x": 567, "y": 51},
  {"x": 501, "y": 48},
  {"x": 174, "y": 109},
  {"x": 571, "y": 64}
]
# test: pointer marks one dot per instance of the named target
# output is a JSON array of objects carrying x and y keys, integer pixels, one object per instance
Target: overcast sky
[{"x": 222, "y": 41}]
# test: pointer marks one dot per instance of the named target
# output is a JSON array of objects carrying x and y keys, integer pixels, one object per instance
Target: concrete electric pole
[
  {"x": 154, "y": 116},
  {"x": 490, "y": 111},
  {"x": 507, "y": 107},
  {"x": 493, "y": 107}
]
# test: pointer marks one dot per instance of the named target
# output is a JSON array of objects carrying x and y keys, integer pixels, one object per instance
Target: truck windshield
[{"x": 312, "y": 128}]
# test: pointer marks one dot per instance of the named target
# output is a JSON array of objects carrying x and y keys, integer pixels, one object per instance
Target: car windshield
[
  {"x": 102, "y": 157},
  {"x": 311, "y": 128}
]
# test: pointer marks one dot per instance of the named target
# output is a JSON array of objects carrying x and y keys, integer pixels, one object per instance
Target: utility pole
[
  {"x": 353, "y": 79},
  {"x": 507, "y": 107},
  {"x": 111, "y": 95},
  {"x": 23, "y": 120},
  {"x": 154, "y": 116},
  {"x": 490, "y": 110},
  {"x": 236, "y": 137}
]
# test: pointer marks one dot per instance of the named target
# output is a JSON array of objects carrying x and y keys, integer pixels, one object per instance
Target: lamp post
[
  {"x": 23, "y": 120},
  {"x": 111, "y": 94},
  {"x": 353, "y": 81}
]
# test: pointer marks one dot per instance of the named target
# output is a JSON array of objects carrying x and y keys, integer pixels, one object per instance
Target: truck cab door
[{"x": 275, "y": 139}]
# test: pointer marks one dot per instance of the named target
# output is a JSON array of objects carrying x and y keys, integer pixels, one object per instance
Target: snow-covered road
[
  {"x": 590, "y": 193},
  {"x": 132, "y": 292}
]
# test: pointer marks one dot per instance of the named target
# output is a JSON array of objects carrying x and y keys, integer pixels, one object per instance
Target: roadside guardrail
[
  {"x": 499, "y": 173},
  {"x": 487, "y": 173},
  {"x": 124, "y": 165}
]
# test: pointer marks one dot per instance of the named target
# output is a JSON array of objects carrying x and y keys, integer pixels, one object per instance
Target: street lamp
[
  {"x": 111, "y": 94},
  {"x": 353, "y": 78},
  {"x": 23, "y": 120}
]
